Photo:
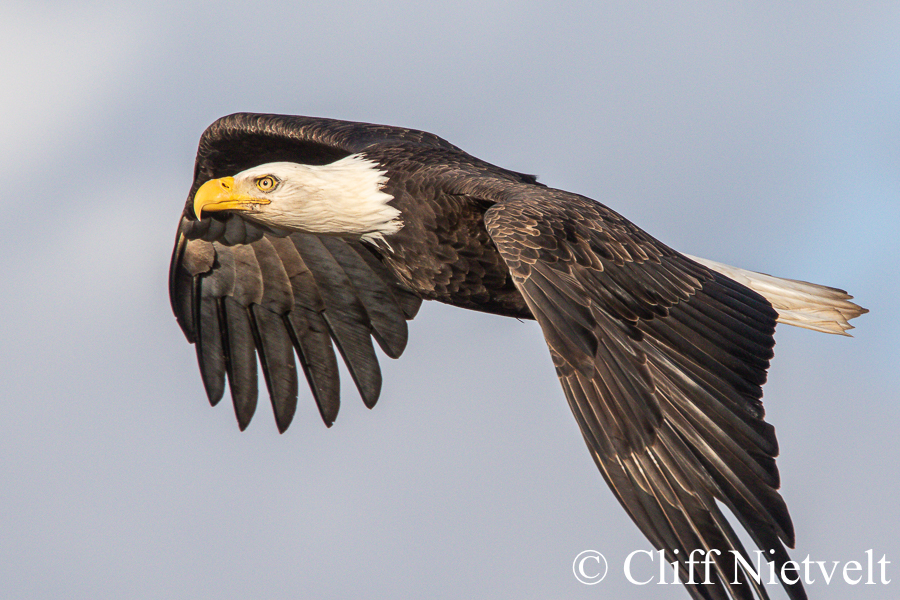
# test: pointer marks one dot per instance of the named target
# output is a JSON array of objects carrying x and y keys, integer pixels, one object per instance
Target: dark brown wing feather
[
  {"x": 662, "y": 362},
  {"x": 274, "y": 296},
  {"x": 243, "y": 140}
]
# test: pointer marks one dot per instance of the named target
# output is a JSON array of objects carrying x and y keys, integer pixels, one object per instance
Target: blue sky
[{"x": 761, "y": 136}]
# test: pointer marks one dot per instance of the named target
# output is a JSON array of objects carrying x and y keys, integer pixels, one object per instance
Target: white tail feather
[{"x": 798, "y": 303}]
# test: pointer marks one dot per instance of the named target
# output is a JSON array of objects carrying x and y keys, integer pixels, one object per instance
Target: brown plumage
[{"x": 661, "y": 358}]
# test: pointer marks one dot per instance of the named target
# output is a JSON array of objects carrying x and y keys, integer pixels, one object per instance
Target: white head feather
[{"x": 345, "y": 197}]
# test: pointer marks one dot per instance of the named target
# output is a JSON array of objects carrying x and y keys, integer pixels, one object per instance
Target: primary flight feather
[{"x": 304, "y": 234}]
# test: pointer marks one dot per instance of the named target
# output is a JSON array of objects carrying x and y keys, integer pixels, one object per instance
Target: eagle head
[{"x": 344, "y": 198}]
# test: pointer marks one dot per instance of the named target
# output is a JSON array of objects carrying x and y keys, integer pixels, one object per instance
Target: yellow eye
[{"x": 266, "y": 183}]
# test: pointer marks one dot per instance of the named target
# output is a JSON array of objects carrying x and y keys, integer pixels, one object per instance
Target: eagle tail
[{"x": 798, "y": 303}]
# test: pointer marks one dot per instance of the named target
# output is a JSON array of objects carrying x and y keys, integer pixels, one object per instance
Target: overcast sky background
[{"x": 764, "y": 135}]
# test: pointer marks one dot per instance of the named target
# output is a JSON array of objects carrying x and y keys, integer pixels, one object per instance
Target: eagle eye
[{"x": 266, "y": 183}]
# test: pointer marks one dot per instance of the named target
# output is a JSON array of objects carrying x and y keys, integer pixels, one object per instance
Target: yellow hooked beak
[{"x": 219, "y": 194}]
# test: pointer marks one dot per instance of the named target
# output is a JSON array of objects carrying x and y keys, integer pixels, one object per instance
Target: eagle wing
[
  {"x": 277, "y": 295},
  {"x": 242, "y": 291},
  {"x": 662, "y": 362}
]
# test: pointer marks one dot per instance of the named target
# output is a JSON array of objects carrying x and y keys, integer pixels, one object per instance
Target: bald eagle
[{"x": 304, "y": 234}]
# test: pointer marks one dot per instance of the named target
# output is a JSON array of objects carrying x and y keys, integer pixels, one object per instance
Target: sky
[{"x": 763, "y": 135}]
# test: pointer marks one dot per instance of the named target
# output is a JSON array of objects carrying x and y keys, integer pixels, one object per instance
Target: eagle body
[
  {"x": 443, "y": 250},
  {"x": 304, "y": 238}
]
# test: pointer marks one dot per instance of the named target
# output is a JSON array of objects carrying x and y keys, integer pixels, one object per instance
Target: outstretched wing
[
  {"x": 662, "y": 361},
  {"x": 242, "y": 291},
  {"x": 273, "y": 296},
  {"x": 244, "y": 140}
]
